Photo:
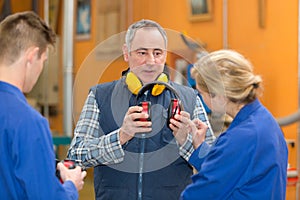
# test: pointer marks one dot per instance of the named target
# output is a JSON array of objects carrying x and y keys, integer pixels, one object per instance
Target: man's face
[{"x": 147, "y": 55}]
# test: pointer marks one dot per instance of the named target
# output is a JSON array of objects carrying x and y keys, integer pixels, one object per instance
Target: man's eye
[
  {"x": 157, "y": 54},
  {"x": 141, "y": 53}
]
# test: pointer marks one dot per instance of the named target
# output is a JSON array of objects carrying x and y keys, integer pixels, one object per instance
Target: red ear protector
[
  {"x": 175, "y": 105},
  {"x": 70, "y": 164},
  {"x": 146, "y": 109}
]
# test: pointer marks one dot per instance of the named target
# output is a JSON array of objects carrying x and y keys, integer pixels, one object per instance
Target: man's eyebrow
[
  {"x": 141, "y": 48},
  {"x": 145, "y": 49}
]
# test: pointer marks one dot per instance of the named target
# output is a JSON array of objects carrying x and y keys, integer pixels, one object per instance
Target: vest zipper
[{"x": 141, "y": 167}]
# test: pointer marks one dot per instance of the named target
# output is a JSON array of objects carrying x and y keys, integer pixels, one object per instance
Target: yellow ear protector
[
  {"x": 134, "y": 84},
  {"x": 175, "y": 105}
]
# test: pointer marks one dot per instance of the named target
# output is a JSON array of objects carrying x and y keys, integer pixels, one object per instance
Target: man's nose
[{"x": 150, "y": 59}]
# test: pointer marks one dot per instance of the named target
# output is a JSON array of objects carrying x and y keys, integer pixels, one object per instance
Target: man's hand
[
  {"x": 180, "y": 126},
  {"x": 132, "y": 125}
]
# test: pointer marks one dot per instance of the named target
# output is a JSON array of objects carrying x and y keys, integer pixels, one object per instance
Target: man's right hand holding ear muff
[{"x": 132, "y": 125}]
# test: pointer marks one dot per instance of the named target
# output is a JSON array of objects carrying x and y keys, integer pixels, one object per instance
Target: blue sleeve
[
  {"x": 222, "y": 163},
  {"x": 199, "y": 155},
  {"x": 70, "y": 188},
  {"x": 35, "y": 162}
]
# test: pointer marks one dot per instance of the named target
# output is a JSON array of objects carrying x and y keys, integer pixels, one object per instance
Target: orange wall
[{"x": 17, "y": 6}]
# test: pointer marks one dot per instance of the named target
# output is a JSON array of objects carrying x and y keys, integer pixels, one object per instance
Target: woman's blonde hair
[{"x": 228, "y": 73}]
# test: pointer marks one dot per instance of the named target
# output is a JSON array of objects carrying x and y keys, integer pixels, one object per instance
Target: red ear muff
[
  {"x": 175, "y": 106},
  {"x": 146, "y": 109}
]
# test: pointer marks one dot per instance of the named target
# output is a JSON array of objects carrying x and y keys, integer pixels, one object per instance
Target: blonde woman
[{"x": 249, "y": 159}]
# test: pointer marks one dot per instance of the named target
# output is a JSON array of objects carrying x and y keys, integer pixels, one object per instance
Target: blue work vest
[{"x": 152, "y": 167}]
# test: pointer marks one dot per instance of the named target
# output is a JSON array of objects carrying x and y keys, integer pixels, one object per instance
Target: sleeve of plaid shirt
[
  {"x": 187, "y": 148},
  {"x": 88, "y": 147}
]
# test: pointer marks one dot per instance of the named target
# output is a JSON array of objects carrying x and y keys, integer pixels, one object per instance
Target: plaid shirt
[{"x": 90, "y": 149}]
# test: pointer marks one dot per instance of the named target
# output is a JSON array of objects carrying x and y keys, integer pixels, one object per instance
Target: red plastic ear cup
[
  {"x": 174, "y": 108},
  {"x": 146, "y": 109},
  {"x": 67, "y": 163}
]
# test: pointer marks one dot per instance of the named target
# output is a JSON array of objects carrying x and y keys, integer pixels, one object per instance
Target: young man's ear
[
  {"x": 125, "y": 52},
  {"x": 32, "y": 53}
]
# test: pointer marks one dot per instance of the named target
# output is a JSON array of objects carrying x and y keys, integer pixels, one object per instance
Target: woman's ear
[
  {"x": 125, "y": 52},
  {"x": 220, "y": 99},
  {"x": 218, "y": 103}
]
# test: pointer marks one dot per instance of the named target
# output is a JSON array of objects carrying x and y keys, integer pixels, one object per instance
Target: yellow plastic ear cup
[
  {"x": 133, "y": 82},
  {"x": 158, "y": 89}
]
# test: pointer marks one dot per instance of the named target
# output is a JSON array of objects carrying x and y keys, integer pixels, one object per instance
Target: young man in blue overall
[{"x": 27, "y": 161}]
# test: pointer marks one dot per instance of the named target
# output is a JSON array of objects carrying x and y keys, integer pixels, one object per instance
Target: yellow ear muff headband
[{"x": 134, "y": 84}]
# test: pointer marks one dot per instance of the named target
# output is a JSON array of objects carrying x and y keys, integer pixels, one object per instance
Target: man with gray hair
[{"x": 124, "y": 130}]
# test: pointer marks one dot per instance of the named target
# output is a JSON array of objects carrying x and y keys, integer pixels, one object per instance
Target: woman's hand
[
  {"x": 198, "y": 132},
  {"x": 181, "y": 126}
]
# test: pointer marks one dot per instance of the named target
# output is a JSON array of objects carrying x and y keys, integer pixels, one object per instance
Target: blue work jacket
[{"x": 247, "y": 162}]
